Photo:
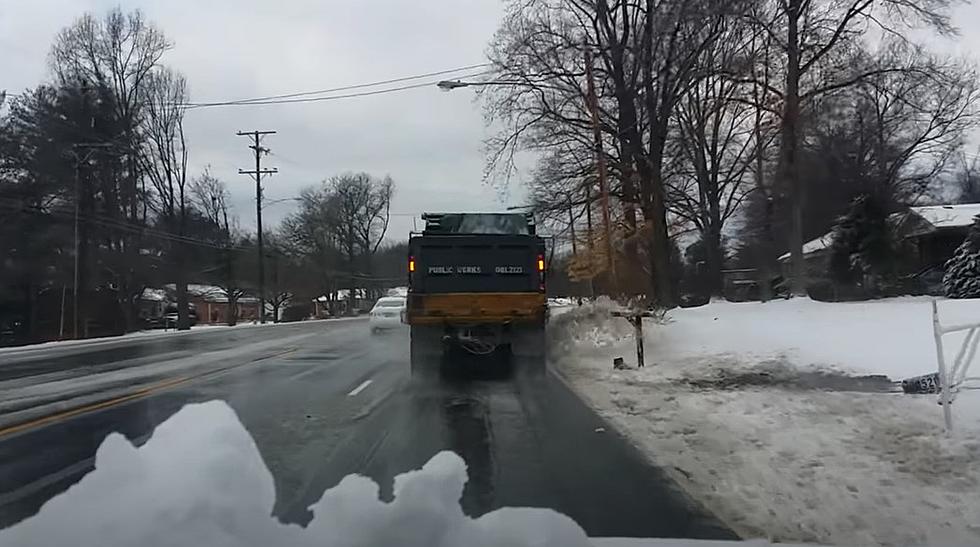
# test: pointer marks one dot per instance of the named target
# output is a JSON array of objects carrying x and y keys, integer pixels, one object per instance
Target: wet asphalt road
[{"x": 324, "y": 400}]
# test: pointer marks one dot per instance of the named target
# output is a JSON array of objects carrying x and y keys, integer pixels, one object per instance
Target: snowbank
[
  {"x": 891, "y": 336},
  {"x": 141, "y": 335},
  {"x": 590, "y": 325},
  {"x": 777, "y": 417}
]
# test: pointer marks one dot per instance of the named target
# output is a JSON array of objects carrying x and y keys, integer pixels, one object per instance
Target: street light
[{"x": 449, "y": 85}]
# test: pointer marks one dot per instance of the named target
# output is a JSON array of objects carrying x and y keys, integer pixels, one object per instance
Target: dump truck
[{"x": 477, "y": 285}]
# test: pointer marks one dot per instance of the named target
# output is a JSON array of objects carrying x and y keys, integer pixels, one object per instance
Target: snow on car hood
[{"x": 200, "y": 480}]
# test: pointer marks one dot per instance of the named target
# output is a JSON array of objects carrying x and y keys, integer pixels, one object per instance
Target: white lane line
[{"x": 359, "y": 388}]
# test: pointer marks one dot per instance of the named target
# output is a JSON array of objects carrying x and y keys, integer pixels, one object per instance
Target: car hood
[{"x": 200, "y": 480}]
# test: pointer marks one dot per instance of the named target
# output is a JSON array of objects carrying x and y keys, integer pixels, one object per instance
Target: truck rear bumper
[{"x": 476, "y": 308}]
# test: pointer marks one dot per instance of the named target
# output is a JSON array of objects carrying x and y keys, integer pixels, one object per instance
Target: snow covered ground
[
  {"x": 145, "y": 334},
  {"x": 775, "y": 416}
]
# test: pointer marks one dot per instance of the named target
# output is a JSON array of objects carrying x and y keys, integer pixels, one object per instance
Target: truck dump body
[
  {"x": 475, "y": 263},
  {"x": 470, "y": 278}
]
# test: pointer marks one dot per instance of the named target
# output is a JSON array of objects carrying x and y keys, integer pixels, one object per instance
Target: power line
[
  {"x": 316, "y": 92},
  {"x": 116, "y": 224},
  {"x": 191, "y": 106},
  {"x": 285, "y": 159},
  {"x": 302, "y": 97},
  {"x": 137, "y": 229},
  {"x": 343, "y": 88}
]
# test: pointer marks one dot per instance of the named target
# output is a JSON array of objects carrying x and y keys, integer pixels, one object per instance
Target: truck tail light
[
  {"x": 541, "y": 286},
  {"x": 411, "y": 271}
]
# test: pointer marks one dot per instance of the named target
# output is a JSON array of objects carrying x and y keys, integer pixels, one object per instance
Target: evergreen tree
[
  {"x": 863, "y": 243},
  {"x": 962, "y": 278}
]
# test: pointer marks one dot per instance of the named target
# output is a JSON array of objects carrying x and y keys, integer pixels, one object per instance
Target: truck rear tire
[{"x": 426, "y": 352}]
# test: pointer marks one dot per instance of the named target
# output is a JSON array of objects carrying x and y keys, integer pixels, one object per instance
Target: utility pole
[
  {"x": 571, "y": 224},
  {"x": 600, "y": 159},
  {"x": 79, "y": 160},
  {"x": 74, "y": 298},
  {"x": 257, "y": 175},
  {"x": 590, "y": 239}
]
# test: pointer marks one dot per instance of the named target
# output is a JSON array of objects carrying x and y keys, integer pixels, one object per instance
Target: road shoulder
[{"x": 778, "y": 460}]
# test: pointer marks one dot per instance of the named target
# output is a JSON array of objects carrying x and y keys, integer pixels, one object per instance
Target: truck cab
[{"x": 477, "y": 284}]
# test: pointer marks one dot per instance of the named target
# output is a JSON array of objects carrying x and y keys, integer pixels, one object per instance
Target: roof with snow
[
  {"x": 342, "y": 295},
  {"x": 814, "y": 245},
  {"x": 932, "y": 217},
  {"x": 211, "y": 293},
  {"x": 153, "y": 295},
  {"x": 948, "y": 216}
]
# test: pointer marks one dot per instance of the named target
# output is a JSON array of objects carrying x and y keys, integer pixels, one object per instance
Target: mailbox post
[{"x": 636, "y": 319}]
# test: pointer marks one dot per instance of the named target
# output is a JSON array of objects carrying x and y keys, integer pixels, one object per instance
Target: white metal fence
[{"x": 953, "y": 378}]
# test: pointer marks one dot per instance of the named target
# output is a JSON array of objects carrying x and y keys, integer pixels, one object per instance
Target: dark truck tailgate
[{"x": 476, "y": 263}]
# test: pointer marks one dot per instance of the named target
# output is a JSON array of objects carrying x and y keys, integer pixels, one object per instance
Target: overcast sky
[{"x": 430, "y": 142}]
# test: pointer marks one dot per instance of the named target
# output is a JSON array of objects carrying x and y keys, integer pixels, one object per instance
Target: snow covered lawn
[
  {"x": 151, "y": 333},
  {"x": 776, "y": 417}
]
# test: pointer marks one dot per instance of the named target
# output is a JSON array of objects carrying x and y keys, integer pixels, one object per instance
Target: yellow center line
[{"x": 140, "y": 393}]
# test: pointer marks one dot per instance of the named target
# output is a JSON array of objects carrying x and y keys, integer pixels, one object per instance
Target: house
[
  {"x": 211, "y": 304},
  {"x": 152, "y": 304},
  {"x": 340, "y": 304},
  {"x": 932, "y": 232},
  {"x": 816, "y": 255},
  {"x": 936, "y": 231}
]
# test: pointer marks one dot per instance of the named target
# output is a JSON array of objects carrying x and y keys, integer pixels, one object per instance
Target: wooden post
[
  {"x": 638, "y": 334},
  {"x": 636, "y": 319}
]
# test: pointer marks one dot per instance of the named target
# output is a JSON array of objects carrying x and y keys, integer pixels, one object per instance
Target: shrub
[{"x": 962, "y": 278}]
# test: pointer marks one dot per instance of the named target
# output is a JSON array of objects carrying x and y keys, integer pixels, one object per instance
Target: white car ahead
[{"x": 387, "y": 313}]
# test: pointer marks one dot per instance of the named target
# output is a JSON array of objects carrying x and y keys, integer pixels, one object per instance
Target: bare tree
[
  {"x": 210, "y": 196},
  {"x": 116, "y": 53},
  {"x": 340, "y": 226},
  {"x": 377, "y": 215},
  {"x": 913, "y": 121},
  {"x": 765, "y": 122},
  {"x": 164, "y": 163},
  {"x": 375, "y": 212},
  {"x": 281, "y": 282},
  {"x": 816, "y": 38},
  {"x": 966, "y": 178},
  {"x": 714, "y": 130},
  {"x": 647, "y": 56},
  {"x": 311, "y": 233},
  {"x": 362, "y": 205}
]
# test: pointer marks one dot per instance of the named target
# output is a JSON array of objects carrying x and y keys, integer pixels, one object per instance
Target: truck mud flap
[
  {"x": 427, "y": 352},
  {"x": 529, "y": 350}
]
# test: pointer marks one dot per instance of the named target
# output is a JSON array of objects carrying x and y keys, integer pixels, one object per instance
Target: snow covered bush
[
  {"x": 962, "y": 278},
  {"x": 588, "y": 325}
]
